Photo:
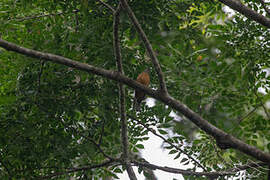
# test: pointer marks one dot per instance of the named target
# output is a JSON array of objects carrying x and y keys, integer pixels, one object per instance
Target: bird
[{"x": 144, "y": 79}]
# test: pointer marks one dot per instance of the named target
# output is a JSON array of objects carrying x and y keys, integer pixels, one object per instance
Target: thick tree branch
[
  {"x": 208, "y": 174},
  {"x": 165, "y": 140},
  {"x": 249, "y": 13},
  {"x": 122, "y": 107},
  {"x": 72, "y": 170},
  {"x": 223, "y": 139},
  {"x": 147, "y": 44}
]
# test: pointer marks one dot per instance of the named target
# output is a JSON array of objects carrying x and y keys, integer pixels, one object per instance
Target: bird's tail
[{"x": 136, "y": 105}]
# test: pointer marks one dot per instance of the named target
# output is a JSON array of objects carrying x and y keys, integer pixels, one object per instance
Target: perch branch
[{"x": 223, "y": 139}]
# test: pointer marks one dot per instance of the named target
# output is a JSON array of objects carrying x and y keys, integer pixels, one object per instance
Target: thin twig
[
  {"x": 85, "y": 168},
  {"x": 124, "y": 133},
  {"x": 265, "y": 8},
  {"x": 39, "y": 75},
  {"x": 148, "y": 46},
  {"x": 107, "y": 5},
  {"x": 168, "y": 142},
  {"x": 248, "y": 114},
  {"x": 93, "y": 142},
  {"x": 102, "y": 132},
  {"x": 247, "y": 166},
  {"x": 262, "y": 104}
]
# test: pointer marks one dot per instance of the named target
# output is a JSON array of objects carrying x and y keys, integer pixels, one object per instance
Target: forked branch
[
  {"x": 147, "y": 45},
  {"x": 222, "y": 138},
  {"x": 107, "y": 5}
]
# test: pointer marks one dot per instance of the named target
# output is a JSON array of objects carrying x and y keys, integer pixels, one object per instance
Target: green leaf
[
  {"x": 177, "y": 156},
  {"x": 183, "y": 160},
  {"x": 161, "y": 131},
  {"x": 140, "y": 146},
  {"x": 173, "y": 151}
]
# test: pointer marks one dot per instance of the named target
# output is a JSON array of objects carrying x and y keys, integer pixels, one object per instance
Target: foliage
[{"x": 49, "y": 114}]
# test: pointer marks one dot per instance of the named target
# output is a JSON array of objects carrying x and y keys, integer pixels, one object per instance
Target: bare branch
[
  {"x": 223, "y": 139},
  {"x": 85, "y": 168},
  {"x": 107, "y": 5},
  {"x": 183, "y": 172},
  {"x": 265, "y": 8},
  {"x": 165, "y": 140},
  {"x": 124, "y": 133},
  {"x": 248, "y": 114},
  {"x": 208, "y": 174},
  {"x": 246, "y": 11},
  {"x": 148, "y": 46},
  {"x": 261, "y": 102}
]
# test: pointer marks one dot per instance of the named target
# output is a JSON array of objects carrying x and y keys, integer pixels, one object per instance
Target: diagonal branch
[
  {"x": 72, "y": 170},
  {"x": 148, "y": 46},
  {"x": 262, "y": 104},
  {"x": 107, "y": 5},
  {"x": 208, "y": 174},
  {"x": 124, "y": 133},
  {"x": 93, "y": 142},
  {"x": 247, "y": 115},
  {"x": 168, "y": 142},
  {"x": 223, "y": 139},
  {"x": 246, "y": 11}
]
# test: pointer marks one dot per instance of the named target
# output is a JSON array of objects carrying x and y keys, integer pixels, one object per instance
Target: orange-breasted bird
[{"x": 144, "y": 79}]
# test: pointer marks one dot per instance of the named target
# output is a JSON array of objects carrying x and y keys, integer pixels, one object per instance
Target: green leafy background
[{"x": 212, "y": 63}]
